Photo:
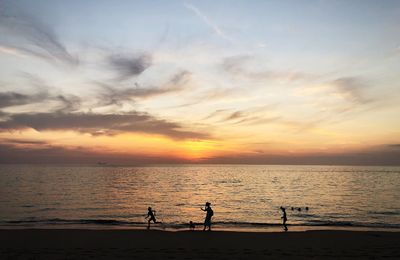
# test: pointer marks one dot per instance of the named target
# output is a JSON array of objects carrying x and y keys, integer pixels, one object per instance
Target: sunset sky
[{"x": 293, "y": 82}]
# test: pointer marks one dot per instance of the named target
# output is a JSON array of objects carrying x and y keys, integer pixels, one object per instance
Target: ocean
[{"x": 242, "y": 196}]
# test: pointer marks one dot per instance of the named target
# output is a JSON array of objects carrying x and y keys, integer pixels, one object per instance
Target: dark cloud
[
  {"x": 14, "y": 152},
  {"x": 394, "y": 146},
  {"x": 68, "y": 103},
  {"x": 127, "y": 66},
  {"x": 111, "y": 95},
  {"x": 42, "y": 152},
  {"x": 46, "y": 153},
  {"x": 13, "y": 141},
  {"x": 352, "y": 89},
  {"x": 367, "y": 157},
  {"x": 30, "y": 36},
  {"x": 99, "y": 124},
  {"x": 9, "y": 99}
]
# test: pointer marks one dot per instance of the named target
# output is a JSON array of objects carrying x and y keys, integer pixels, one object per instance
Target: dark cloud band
[{"x": 99, "y": 124}]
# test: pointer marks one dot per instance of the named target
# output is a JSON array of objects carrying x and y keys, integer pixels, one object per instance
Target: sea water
[{"x": 242, "y": 196}]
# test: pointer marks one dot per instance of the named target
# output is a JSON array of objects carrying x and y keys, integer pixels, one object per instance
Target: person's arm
[{"x": 203, "y": 209}]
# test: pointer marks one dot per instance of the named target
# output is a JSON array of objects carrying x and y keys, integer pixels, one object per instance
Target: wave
[
  {"x": 328, "y": 223},
  {"x": 394, "y": 213},
  {"x": 179, "y": 225},
  {"x": 315, "y": 223},
  {"x": 72, "y": 221}
]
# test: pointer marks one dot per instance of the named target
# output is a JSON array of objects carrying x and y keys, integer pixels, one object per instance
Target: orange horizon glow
[{"x": 156, "y": 146}]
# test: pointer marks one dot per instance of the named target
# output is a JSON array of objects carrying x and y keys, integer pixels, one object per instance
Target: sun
[{"x": 198, "y": 149}]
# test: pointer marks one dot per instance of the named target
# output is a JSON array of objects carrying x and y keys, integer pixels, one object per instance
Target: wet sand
[{"x": 143, "y": 244}]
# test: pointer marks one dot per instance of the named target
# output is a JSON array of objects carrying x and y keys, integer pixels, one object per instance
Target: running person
[{"x": 151, "y": 215}]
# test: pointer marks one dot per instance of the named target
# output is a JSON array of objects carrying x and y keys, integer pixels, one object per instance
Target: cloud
[
  {"x": 110, "y": 95},
  {"x": 216, "y": 113},
  {"x": 352, "y": 89},
  {"x": 208, "y": 21},
  {"x": 238, "y": 66},
  {"x": 127, "y": 66},
  {"x": 259, "y": 120},
  {"x": 365, "y": 157},
  {"x": 343, "y": 98},
  {"x": 9, "y": 99},
  {"x": 99, "y": 124},
  {"x": 235, "y": 115},
  {"x": 225, "y": 115},
  {"x": 12, "y": 51},
  {"x": 37, "y": 151},
  {"x": 250, "y": 116},
  {"x": 67, "y": 102},
  {"x": 394, "y": 146},
  {"x": 11, "y": 141},
  {"x": 26, "y": 35},
  {"x": 236, "y": 63},
  {"x": 47, "y": 153}
]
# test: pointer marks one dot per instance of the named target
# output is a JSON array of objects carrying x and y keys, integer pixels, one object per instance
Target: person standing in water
[
  {"x": 284, "y": 218},
  {"x": 209, "y": 214},
  {"x": 151, "y": 215}
]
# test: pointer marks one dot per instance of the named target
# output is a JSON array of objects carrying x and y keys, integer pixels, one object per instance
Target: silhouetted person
[
  {"x": 151, "y": 215},
  {"x": 284, "y": 218},
  {"x": 307, "y": 208},
  {"x": 210, "y": 213},
  {"x": 191, "y": 225},
  {"x": 292, "y": 208},
  {"x": 299, "y": 209}
]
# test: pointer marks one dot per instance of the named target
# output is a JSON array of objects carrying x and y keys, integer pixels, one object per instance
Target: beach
[{"x": 153, "y": 244}]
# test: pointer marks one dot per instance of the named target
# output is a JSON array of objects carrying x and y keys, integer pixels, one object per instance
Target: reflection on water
[{"x": 240, "y": 195}]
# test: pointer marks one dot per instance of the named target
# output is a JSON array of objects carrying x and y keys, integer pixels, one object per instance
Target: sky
[{"x": 254, "y": 82}]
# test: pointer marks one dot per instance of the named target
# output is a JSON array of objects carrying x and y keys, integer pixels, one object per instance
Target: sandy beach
[{"x": 142, "y": 244}]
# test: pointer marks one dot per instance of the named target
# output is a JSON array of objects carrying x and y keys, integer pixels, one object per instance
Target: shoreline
[
  {"x": 156, "y": 244},
  {"x": 215, "y": 228}
]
